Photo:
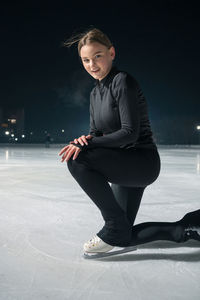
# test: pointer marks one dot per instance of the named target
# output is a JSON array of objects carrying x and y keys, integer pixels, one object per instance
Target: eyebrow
[{"x": 94, "y": 53}]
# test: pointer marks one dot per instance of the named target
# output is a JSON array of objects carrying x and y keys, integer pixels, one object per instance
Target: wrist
[{"x": 78, "y": 145}]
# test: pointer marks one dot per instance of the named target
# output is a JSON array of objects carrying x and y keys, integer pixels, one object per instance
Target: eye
[
  {"x": 98, "y": 55},
  {"x": 85, "y": 60}
]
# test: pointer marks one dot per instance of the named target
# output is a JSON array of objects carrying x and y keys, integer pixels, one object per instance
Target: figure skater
[{"x": 119, "y": 149}]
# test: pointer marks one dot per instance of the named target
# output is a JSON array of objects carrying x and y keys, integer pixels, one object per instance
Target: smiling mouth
[{"x": 95, "y": 71}]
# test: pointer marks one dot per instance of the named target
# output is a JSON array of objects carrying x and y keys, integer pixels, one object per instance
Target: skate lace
[
  {"x": 94, "y": 240},
  {"x": 193, "y": 229}
]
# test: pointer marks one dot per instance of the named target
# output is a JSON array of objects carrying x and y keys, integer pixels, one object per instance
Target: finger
[
  {"x": 60, "y": 151},
  {"x": 65, "y": 154},
  {"x": 63, "y": 150},
  {"x": 80, "y": 141},
  {"x": 84, "y": 139},
  {"x": 68, "y": 154},
  {"x": 75, "y": 141},
  {"x": 63, "y": 157},
  {"x": 76, "y": 153}
]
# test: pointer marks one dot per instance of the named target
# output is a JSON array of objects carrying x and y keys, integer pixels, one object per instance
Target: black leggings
[{"x": 129, "y": 171}]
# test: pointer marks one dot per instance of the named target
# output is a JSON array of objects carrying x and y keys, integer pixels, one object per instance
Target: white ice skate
[
  {"x": 96, "y": 245},
  {"x": 97, "y": 248}
]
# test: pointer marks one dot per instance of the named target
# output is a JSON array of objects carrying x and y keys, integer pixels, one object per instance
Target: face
[{"x": 97, "y": 59}]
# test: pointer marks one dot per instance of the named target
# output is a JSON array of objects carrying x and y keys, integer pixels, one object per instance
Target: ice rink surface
[{"x": 45, "y": 217}]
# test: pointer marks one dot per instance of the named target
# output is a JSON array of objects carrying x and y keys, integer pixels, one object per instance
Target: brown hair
[{"x": 87, "y": 37}]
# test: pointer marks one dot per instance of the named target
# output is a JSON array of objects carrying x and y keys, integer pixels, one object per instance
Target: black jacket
[{"x": 118, "y": 113}]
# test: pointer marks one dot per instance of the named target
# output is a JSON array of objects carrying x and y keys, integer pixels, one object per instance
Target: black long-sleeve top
[{"x": 118, "y": 113}]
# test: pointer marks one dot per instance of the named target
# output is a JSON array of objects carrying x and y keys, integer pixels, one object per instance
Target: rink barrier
[{"x": 62, "y": 145}]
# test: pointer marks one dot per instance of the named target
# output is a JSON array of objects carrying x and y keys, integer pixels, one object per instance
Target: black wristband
[{"x": 80, "y": 146}]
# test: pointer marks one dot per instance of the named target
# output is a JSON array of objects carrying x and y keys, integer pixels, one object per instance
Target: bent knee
[{"x": 79, "y": 163}]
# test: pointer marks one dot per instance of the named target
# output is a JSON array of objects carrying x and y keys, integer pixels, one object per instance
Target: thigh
[{"x": 129, "y": 167}]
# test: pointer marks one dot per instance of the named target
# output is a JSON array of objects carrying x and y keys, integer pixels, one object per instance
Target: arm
[
  {"x": 126, "y": 97},
  {"x": 93, "y": 130}
]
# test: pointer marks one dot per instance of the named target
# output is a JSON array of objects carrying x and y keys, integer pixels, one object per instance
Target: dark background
[{"x": 156, "y": 41}]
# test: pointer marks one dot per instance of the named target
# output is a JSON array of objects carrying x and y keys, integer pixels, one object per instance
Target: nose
[{"x": 92, "y": 64}]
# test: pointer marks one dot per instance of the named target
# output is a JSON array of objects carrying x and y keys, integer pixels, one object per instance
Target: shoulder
[{"x": 124, "y": 79}]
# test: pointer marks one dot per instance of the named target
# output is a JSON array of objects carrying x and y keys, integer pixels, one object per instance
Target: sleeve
[
  {"x": 125, "y": 92},
  {"x": 93, "y": 130}
]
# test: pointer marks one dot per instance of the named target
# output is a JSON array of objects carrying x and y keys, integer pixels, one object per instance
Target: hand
[
  {"x": 68, "y": 152},
  {"x": 82, "y": 139}
]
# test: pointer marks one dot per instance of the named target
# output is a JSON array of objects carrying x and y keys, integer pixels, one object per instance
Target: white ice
[{"x": 45, "y": 217}]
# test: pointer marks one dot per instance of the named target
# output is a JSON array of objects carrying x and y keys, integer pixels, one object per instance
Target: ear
[{"x": 112, "y": 52}]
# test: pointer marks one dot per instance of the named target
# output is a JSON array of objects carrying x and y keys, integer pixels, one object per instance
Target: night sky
[{"x": 156, "y": 41}]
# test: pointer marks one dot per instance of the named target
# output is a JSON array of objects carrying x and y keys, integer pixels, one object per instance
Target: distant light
[
  {"x": 31, "y": 132},
  {"x": 16, "y": 139},
  {"x": 12, "y": 135},
  {"x": 198, "y": 127},
  {"x": 23, "y": 136},
  {"x": 13, "y": 121},
  {"x": 7, "y": 132},
  {"x": 63, "y": 130},
  {"x": 4, "y": 125}
]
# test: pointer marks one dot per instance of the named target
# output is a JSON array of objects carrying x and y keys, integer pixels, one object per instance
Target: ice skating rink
[{"x": 45, "y": 218}]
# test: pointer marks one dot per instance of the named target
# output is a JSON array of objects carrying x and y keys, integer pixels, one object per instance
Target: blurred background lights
[{"x": 13, "y": 121}]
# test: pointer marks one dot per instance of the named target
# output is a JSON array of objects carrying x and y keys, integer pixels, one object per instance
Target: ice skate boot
[
  {"x": 192, "y": 232},
  {"x": 192, "y": 218},
  {"x": 97, "y": 248},
  {"x": 191, "y": 224},
  {"x": 96, "y": 245}
]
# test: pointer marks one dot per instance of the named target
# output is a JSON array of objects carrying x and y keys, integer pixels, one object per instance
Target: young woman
[{"x": 120, "y": 150}]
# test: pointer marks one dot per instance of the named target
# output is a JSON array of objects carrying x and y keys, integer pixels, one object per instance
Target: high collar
[{"x": 107, "y": 78}]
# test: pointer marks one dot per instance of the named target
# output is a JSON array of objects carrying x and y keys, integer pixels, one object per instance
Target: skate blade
[{"x": 88, "y": 255}]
